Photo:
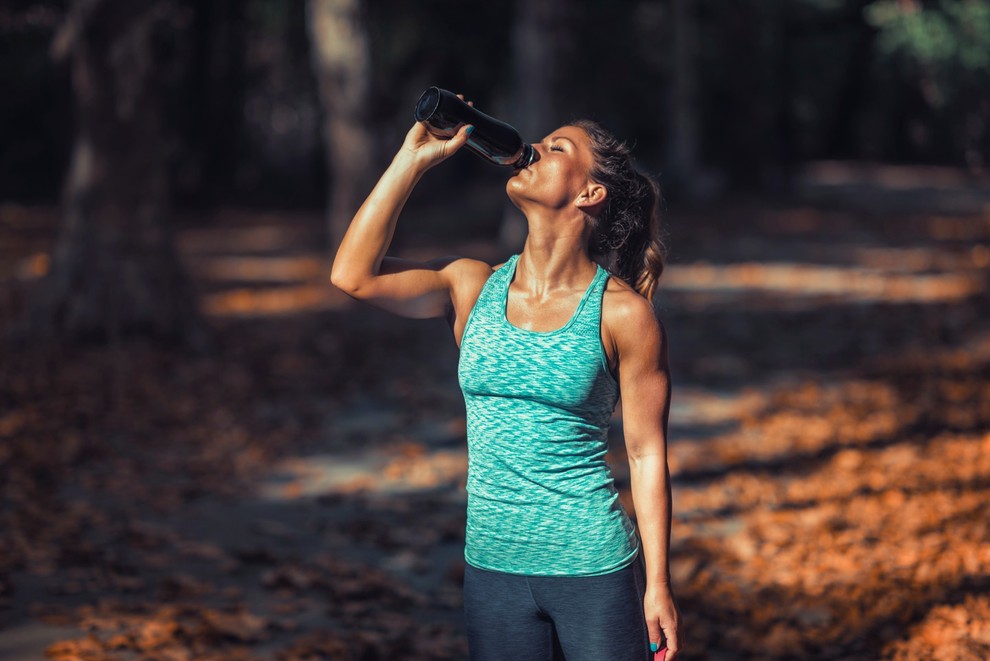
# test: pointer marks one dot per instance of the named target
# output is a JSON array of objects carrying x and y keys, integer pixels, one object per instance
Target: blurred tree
[
  {"x": 278, "y": 159},
  {"x": 852, "y": 78},
  {"x": 736, "y": 80},
  {"x": 115, "y": 270},
  {"x": 683, "y": 158},
  {"x": 34, "y": 127},
  {"x": 209, "y": 108},
  {"x": 743, "y": 90},
  {"x": 341, "y": 63},
  {"x": 935, "y": 60}
]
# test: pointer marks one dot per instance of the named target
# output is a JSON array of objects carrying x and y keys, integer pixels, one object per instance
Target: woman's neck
[{"x": 554, "y": 262}]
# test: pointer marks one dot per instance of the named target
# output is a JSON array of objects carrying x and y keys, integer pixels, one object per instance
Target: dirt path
[{"x": 300, "y": 495}]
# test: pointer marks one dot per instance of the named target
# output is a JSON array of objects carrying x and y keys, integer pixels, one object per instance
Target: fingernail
[
  {"x": 654, "y": 647},
  {"x": 469, "y": 129}
]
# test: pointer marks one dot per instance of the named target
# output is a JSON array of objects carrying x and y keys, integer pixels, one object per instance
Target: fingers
[
  {"x": 458, "y": 141},
  {"x": 461, "y": 97},
  {"x": 672, "y": 644},
  {"x": 656, "y": 639},
  {"x": 663, "y": 640},
  {"x": 418, "y": 130},
  {"x": 430, "y": 149}
]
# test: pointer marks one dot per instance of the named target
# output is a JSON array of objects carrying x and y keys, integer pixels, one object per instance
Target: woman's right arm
[{"x": 361, "y": 269}]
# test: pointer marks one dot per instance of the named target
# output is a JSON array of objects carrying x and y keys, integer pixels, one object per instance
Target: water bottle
[{"x": 443, "y": 114}]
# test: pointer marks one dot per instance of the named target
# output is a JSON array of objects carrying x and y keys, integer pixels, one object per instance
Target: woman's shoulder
[
  {"x": 473, "y": 269},
  {"x": 469, "y": 275},
  {"x": 470, "y": 268},
  {"x": 623, "y": 306}
]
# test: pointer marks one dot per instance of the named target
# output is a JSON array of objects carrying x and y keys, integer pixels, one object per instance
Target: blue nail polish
[
  {"x": 470, "y": 129},
  {"x": 654, "y": 647}
]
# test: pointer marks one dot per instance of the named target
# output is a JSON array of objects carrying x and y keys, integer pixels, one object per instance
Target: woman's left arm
[{"x": 644, "y": 384}]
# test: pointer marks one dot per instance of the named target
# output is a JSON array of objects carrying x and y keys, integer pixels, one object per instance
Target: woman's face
[{"x": 558, "y": 174}]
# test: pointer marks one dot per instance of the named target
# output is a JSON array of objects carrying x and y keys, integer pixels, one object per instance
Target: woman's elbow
[
  {"x": 340, "y": 281},
  {"x": 650, "y": 452},
  {"x": 344, "y": 280}
]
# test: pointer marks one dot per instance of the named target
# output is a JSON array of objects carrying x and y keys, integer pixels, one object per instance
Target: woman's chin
[{"x": 513, "y": 185}]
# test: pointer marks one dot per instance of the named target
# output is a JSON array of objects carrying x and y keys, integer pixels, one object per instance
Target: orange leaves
[
  {"x": 299, "y": 495},
  {"x": 834, "y": 515},
  {"x": 240, "y": 625},
  {"x": 83, "y": 649},
  {"x": 166, "y": 633},
  {"x": 949, "y": 631}
]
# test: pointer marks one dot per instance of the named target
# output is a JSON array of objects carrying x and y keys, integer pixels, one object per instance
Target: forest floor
[{"x": 299, "y": 494}]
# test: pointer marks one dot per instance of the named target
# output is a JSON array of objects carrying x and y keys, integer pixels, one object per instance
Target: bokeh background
[{"x": 208, "y": 452}]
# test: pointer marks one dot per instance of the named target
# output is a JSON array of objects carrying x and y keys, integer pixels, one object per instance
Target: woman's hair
[{"x": 626, "y": 233}]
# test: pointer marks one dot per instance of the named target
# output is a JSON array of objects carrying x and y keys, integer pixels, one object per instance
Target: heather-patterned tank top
[{"x": 541, "y": 498}]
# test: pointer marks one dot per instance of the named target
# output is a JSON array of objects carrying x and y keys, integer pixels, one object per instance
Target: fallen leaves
[
  {"x": 829, "y": 449},
  {"x": 949, "y": 631},
  {"x": 166, "y": 632}
]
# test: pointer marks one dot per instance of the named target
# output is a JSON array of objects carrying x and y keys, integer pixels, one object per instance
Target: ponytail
[{"x": 626, "y": 234}]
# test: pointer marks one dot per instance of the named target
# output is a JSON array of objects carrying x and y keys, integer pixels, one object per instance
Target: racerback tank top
[{"x": 541, "y": 499}]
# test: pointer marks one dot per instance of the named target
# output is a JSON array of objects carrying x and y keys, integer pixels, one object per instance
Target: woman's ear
[{"x": 591, "y": 196}]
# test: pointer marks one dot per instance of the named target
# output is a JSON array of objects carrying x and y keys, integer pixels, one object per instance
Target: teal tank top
[{"x": 541, "y": 499}]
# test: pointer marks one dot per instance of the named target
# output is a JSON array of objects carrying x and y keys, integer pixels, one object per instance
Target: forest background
[{"x": 206, "y": 451}]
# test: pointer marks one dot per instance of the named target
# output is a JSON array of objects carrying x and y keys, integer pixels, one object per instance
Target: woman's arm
[
  {"x": 361, "y": 268},
  {"x": 644, "y": 384}
]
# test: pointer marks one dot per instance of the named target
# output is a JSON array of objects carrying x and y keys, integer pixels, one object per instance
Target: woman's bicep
[
  {"x": 644, "y": 380},
  {"x": 419, "y": 290},
  {"x": 414, "y": 289}
]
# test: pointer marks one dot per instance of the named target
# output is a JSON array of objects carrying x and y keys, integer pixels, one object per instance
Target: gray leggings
[{"x": 550, "y": 618}]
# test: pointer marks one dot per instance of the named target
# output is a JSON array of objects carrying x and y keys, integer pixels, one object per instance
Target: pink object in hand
[{"x": 660, "y": 654}]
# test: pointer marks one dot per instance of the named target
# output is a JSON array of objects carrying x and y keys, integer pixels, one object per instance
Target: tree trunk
[
  {"x": 216, "y": 79},
  {"x": 841, "y": 139},
  {"x": 342, "y": 67},
  {"x": 683, "y": 136},
  {"x": 115, "y": 270},
  {"x": 535, "y": 58}
]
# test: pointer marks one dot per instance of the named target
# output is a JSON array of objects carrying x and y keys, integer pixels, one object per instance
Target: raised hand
[{"x": 427, "y": 149}]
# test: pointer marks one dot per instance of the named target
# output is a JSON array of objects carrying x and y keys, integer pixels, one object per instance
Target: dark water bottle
[{"x": 444, "y": 114}]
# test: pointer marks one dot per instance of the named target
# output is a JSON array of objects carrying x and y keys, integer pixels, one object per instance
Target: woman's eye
[{"x": 556, "y": 148}]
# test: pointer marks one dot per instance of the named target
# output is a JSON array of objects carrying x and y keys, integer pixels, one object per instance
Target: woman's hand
[
  {"x": 662, "y": 615},
  {"x": 426, "y": 149}
]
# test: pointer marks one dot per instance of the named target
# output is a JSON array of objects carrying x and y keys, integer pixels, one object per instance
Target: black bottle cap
[{"x": 427, "y": 104}]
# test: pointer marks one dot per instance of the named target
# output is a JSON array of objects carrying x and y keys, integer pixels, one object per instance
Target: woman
[{"x": 547, "y": 341}]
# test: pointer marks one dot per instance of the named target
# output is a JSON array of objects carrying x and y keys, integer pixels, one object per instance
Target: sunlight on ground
[
  {"x": 412, "y": 465},
  {"x": 842, "y": 283},
  {"x": 891, "y": 176},
  {"x": 265, "y": 269},
  {"x": 239, "y": 265},
  {"x": 700, "y": 406},
  {"x": 266, "y": 233},
  {"x": 258, "y": 302},
  {"x": 795, "y": 281},
  {"x": 901, "y": 260}
]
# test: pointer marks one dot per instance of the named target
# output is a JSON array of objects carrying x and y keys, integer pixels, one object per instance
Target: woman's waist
[
  {"x": 511, "y": 528},
  {"x": 587, "y": 502}
]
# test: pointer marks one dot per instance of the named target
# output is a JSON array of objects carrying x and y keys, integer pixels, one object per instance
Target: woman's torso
[{"x": 541, "y": 498}]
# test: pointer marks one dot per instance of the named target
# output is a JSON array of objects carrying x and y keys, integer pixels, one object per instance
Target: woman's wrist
[
  {"x": 658, "y": 586},
  {"x": 409, "y": 161}
]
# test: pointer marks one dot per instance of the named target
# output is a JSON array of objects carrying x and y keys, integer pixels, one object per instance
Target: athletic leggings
[{"x": 554, "y": 618}]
